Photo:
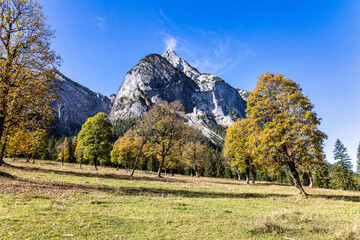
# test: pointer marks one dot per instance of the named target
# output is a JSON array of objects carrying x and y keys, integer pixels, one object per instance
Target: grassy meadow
[{"x": 46, "y": 200}]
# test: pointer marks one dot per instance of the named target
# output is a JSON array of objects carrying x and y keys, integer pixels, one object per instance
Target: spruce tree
[
  {"x": 210, "y": 167},
  {"x": 343, "y": 174},
  {"x": 322, "y": 176}
]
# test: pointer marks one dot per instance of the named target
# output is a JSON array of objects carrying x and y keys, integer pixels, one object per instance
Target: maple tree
[
  {"x": 63, "y": 151},
  {"x": 283, "y": 126},
  {"x": 163, "y": 127},
  {"x": 236, "y": 147},
  {"x": 26, "y": 66},
  {"x": 125, "y": 150},
  {"x": 194, "y": 150},
  {"x": 94, "y": 138}
]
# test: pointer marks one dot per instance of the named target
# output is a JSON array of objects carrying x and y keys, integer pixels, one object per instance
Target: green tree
[
  {"x": 94, "y": 138},
  {"x": 343, "y": 174},
  {"x": 322, "y": 176},
  {"x": 26, "y": 66},
  {"x": 210, "y": 164},
  {"x": 284, "y": 127}
]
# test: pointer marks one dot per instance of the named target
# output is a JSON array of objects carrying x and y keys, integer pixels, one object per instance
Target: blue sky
[{"x": 315, "y": 43}]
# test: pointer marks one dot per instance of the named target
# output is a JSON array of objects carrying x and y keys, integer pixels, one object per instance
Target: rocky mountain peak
[
  {"x": 181, "y": 64},
  {"x": 169, "y": 77}
]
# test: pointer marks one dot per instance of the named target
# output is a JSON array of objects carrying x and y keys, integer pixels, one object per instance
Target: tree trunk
[
  {"x": 2, "y": 123},
  {"x": 136, "y": 159},
  {"x": 161, "y": 166},
  {"x": 62, "y": 161},
  {"x": 311, "y": 179},
  {"x": 172, "y": 173},
  {"x": 296, "y": 178},
  {"x": 1, "y": 160},
  {"x": 33, "y": 159},
  {"x": 2, "y": 153},
  {"x": 191, "y": 172},
  {"x": 247, "y": 173},
  {"x": 80, "y": 163},
  {"x": 95, "y": 168},
  {"x": 238, "y": 175},
  {"x": 117, "y": 167}
]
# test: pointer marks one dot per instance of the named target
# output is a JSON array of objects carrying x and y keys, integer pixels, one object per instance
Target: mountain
[
  {"x": 210, "y": 103},
  {"x": 207, "y": 98},
  {"x": 75, "y": 105}
]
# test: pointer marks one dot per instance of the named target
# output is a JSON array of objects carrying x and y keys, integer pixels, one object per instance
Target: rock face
[
  {"x": 75, "y": 105},
  {"x": 208, "y": 100},
  {"x": 168, "y": 77}
]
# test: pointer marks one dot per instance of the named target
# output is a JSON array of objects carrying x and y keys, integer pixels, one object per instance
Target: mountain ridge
[{"x": 207, "y": 99}]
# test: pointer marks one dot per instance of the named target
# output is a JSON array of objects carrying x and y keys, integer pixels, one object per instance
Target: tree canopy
[
  {"x": 163, "y": 126},
  {"x": 94, "y": 138},
  {"x": 237, "y": 147},
  {"x": 26, "y": 68},
  {"x": 284, "y": 127}
]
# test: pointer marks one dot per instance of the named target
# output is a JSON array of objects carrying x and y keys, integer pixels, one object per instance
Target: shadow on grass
[
  {"x": 97, "y": 175},
  {"x": 193, "y": 194},
  {"x": 337, "y": 197},
  {"x": 39, "y": 186},
  {"x": 45, "y": 185}
]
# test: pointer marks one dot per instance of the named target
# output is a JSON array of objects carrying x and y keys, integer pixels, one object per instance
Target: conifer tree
[
  {"x": 343, "y": 174},
  {"x": 210, "y": 165},
  {"x": 322, "y": 176}
]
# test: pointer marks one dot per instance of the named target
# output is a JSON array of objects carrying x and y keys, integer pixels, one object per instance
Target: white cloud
[
  {"x": 100, "y": 22},
  {"x": 170, "y": 42},
  {"x": 163, "y": 15}
]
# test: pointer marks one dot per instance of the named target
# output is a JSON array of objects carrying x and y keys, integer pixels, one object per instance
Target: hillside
[{"x": 49, "y": 201}]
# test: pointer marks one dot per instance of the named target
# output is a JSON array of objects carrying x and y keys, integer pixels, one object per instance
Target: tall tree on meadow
[
  {"x": 343, "y": 174},
  {"x": 26, "y": 66},
  {"x": 79, "y": 153},
  {"x": 63, "y": 151},
  {"x": 237, "y": 148},
  {"x": 165, "y": 127},
  {"x": 284, "y": 127},
  {"x": 125, "y": 150},
  {"x": 194, "y": 149},
  {"x": 94, "y": 138}
]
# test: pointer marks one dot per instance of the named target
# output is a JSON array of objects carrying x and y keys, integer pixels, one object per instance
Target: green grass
[{"x": 49, "y": 201}]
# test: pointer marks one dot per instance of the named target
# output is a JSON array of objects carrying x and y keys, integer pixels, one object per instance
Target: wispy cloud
[
  {"x": 170, "y": 42},
  {"x": 163, "y": 15},
  {"x": 100, "y": 22},
  {"x": 219, "y": 56}
]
